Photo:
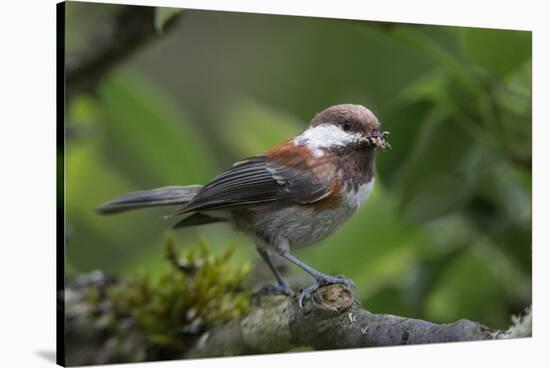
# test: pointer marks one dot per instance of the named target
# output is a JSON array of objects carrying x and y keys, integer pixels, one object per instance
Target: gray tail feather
[{"x": 166, "y": 196}]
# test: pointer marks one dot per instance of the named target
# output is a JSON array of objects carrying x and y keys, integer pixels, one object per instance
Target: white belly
[{"x": 301, "y": 226}]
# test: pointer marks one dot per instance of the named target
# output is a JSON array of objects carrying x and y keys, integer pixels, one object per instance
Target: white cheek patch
[{"x": 325, "y": 136}]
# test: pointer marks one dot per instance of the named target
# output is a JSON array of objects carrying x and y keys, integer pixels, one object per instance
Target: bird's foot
[
  {"x": 275, "y": 288},
  {"x": 324, "y": 281}
]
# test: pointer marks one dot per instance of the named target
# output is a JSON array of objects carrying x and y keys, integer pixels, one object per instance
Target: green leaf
[
  {"x": 470, "y": 288},
  {"x": 435, "y": 196},
  {"x": 404, "y": 123},
  {"x": 430, "y": 86},
  {"x": 500, "y": 51},
  {"x": 514, "y": 195},
  {"x": 456, "y": 67},
  {"x": 513, "y": 98},
  {"x": 92, "y": 242},
  {"x": 150, "y": 138},
  {"x": 514, "y": 93},
  {"x": 132, "y": 138},
  {"x": 252, "y": 128},
  {"x": 95, "y": 241},
  {"x": 163, "y": 16}
]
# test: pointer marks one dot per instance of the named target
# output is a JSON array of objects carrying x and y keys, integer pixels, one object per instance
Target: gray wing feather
[{"x": 255, "y": 182}]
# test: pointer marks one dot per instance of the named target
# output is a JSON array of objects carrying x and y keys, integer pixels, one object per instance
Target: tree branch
[
  {"x": 133, "y": 27},
  {"x": 333, "y": 319},
  {"x": 103, "y": 327}
]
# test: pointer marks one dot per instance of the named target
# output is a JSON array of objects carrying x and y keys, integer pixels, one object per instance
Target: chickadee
[{"x": 294, "y": 195}]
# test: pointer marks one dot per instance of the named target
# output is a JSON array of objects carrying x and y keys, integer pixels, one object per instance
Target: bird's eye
[{"x": 346, "y": 126}]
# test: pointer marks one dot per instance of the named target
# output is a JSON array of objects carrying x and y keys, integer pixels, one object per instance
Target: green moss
[{"x": 193, "y": 293}]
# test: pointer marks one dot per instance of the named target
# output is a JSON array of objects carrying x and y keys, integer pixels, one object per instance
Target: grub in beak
[{"x": 378, "y": 140}]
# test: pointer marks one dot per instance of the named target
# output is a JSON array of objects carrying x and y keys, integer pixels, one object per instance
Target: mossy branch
[
  {"x": 199, "y": 307},
  {"x": 332, "y": 320}
]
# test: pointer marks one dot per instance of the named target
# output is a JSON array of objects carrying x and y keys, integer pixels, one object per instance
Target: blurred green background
[{"x": 446, "y": 233}]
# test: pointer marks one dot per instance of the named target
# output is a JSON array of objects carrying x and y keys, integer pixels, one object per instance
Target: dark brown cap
[{"x": 355, "y": 117}]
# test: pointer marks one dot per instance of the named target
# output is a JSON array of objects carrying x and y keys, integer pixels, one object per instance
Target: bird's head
[{"x": 343, "y": 128}]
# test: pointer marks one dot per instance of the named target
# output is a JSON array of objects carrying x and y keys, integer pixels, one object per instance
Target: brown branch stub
[
  {"x": 335, "y": 298},
  {"x": 331, "y": 319}
]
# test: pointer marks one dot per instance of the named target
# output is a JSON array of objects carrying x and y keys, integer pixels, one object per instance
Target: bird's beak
[{"x": 377, "y": 139}]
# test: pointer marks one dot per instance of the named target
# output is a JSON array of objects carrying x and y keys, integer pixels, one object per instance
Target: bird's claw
[
  {"x": 327, "y": 280},
  {"x": 338, "y": 279},
  {"x": 306, "y": 293}
]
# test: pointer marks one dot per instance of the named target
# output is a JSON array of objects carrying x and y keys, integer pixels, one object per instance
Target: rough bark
[
  {"x": 332, "y": 319},
  {"x": 98, "y": 332}
]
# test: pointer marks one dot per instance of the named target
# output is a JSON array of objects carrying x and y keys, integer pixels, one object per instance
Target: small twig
[{"x": 185, "y": 267}]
